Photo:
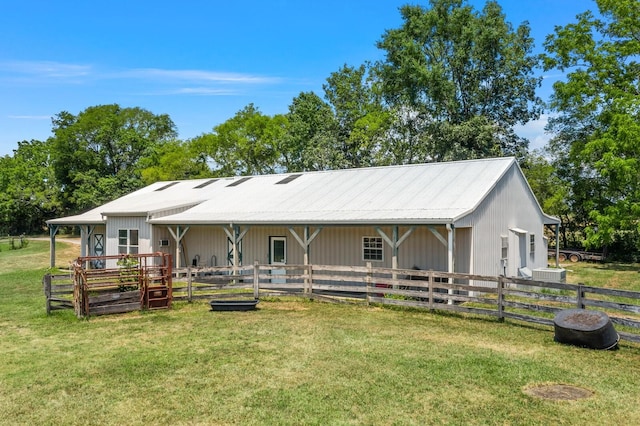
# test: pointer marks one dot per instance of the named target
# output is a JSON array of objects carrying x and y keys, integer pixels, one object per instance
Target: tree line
[{"x": 452, "y": 84}]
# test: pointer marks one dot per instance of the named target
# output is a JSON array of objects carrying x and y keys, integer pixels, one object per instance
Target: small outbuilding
[{"x": 477, "y": 216}]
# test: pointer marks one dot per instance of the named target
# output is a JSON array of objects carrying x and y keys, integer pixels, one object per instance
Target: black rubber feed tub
[
  {"x": 585, "y": 328},
  {"x": 233, "y": 305}
]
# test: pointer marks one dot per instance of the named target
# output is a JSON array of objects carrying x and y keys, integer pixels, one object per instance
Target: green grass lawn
[
  {"x": 289, "y": 362},
  {"x": 610, "y": 275}
]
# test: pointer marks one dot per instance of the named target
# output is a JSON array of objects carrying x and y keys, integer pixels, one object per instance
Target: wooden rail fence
[{"x": 500, "y": 297}]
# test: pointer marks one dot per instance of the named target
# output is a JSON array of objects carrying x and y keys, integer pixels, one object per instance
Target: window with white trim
[
  {"x": 372, "y": 249},
  {"x": 128, "y": 241},
  {"x": 532, "y": 246},
  {"x": 504, "y": 247}
]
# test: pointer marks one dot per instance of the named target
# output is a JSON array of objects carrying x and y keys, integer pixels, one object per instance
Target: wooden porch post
[
  {"x": 236, "y": 236},
  {"x": 394, "y": 242},
  {"x": 177, "y": 236},
  {"x": 557, "y": 245},
  {"x": 450, "y": 257},
  {"x": 53, "y": 230},
  {"x": 85, "y": 242},
  {"x": 305, "y": 242}
]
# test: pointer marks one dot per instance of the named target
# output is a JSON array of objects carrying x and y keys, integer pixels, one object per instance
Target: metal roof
[
  {"x": 429, "y": 193},
  {"x": 159, "y": 196},
  {"x": 422, "y": 193}
]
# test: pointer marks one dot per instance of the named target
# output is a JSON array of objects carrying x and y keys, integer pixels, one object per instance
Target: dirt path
[{"x": 75, "y": 241}]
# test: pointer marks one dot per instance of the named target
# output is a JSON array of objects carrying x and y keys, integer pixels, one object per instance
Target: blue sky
[{"x": 199, "y": 61}]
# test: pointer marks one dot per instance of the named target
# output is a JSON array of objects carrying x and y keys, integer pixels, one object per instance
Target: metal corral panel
[{"x": 553, "y": 275}]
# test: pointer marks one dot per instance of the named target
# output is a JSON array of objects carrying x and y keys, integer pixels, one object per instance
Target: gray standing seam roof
[{"x": 429, "y": 193}]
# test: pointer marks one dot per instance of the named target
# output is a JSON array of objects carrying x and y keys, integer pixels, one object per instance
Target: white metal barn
[{"x": 477, "y": 216}]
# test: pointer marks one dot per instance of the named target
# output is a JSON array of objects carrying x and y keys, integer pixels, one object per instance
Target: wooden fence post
[
  {"x": 500, "y": 298},
  {"x": 368, "y": 281},
  {"x": 431, "y": 289},
  {"x": 256, "y": 280},
  {"x": 310, "y": 279},
  {"x": 580, "y": 296},
  {"x": 46, "y": 281},
  {"x": 189, "y": 285}
]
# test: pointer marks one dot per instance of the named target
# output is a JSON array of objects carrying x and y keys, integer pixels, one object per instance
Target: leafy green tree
[
  {"x": 551, "y": 192},
  {"x": 451, "y": 71},
  {"x": 172, "y": 161},
  {"x": 310, "y": 141},
  {"x": 28, "y": 191},
  {"x": 597, "y": 143},
  {"x": 246, "y": 144},
  {"x": 361, "y": 120},
  {"x": 96, "y": 154}
]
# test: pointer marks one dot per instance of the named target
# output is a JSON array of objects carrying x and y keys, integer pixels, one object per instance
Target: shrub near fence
[{"x": 499, "y": 297}]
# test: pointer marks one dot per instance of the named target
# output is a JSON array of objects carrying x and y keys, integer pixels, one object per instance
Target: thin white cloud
[
  {"x": 152, "y": 81},
  {"x": 553, "y": 76},
  {"x": 196, "y": 75},
  {"x": 208, "y": 91},
  {"x": 47, "y": 69},
  {"x": 202, "y": 91},
  {"x": 29, "y": 117}
]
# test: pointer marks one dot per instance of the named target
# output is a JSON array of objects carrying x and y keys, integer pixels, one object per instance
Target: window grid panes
[
  {"x": 532, "y": 245},
  {"x": 372, "y": 249},
  {"x": 127, "y": 241},
  {"x": 505, "y": 247}
]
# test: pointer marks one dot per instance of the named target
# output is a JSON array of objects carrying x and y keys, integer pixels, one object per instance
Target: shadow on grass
[{"x": 620, "y": 267}]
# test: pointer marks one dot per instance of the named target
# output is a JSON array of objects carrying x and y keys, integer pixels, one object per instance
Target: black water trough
[
  {"x": 585, "y": 328},
  {"x": 233, "y": 305}
]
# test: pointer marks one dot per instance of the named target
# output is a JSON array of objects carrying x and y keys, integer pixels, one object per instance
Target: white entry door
[{"x": 278, "y": 256}]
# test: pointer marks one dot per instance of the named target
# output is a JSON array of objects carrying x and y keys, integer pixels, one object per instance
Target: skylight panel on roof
[
  {"x": 288, "y": 179},
  {"x": 162, "y": 188},
  {"x": 207, "y": 183},
  {"x": 239, "y": 181}
]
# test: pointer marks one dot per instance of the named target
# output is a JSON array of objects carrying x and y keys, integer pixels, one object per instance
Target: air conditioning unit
[
  {"x": 552, "y": 275},
  {"x": 164, "y": 243}
]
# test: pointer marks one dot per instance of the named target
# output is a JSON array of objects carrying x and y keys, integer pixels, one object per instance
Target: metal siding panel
[
  {"x": 423, "y": 250},
  {"x": 509, "y": 205},
  {"x": 116, "y": 223},
  {"x": 463, "y": 250},
  {"x": 343, "y": 246},
  {"x": 205, "y": 242}
]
